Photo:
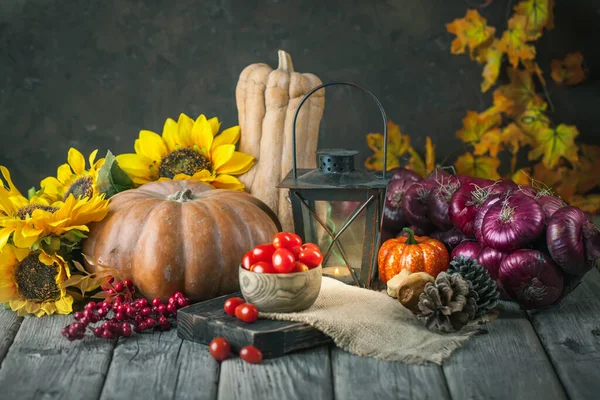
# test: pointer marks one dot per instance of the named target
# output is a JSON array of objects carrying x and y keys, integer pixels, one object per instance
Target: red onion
[
  {"x": 466, "y": 200},
  {"x": 491, "y": 259},
  {"x": 416, "y": 230},
  {"x": 414, "y": 204},
  {"x": 531, "y": 278},
  {"x": 439, "y": 201},
  {"x": 565, "y": 239},
  {"x": 512, "y": 223},
  {"x": 451, "y": 238},
  {"x": 507, "y": 184},
  {"x": 591, "y": 244},
  {"x": 438, "y": 174},
  {"x": 549, "y": 205},
  {"x": 469, "y": 249},
  {"x": 393, "y": 215},
  {"x": 403, "y": 173},
  {"x": 528, "y": 191},
  {"x": 493, "y": 199}
]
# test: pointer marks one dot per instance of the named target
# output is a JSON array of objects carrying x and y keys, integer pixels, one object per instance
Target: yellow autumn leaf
[
  {"x": 475, "y": 125},
  {"x": 588, "y": 168},
  {"x": 532, "y": 67},
  {"x": 514, "y": 41},
  {"x": 539, "y": 15},
  {"x": 398, "y": 145},
  {"x": 534, "y": 117},
  {"x": 570, "y": 70},
  {"x": 514, "y": 98},
  {"x": 429, "y": 155},
  {"x": 522, "y": 177},
  {"x": 477, "y": 166},
  {"x": 490, "y": 143},
  {"x": 491, "y": 56},
  {"x": 552, "y": 144},
  {"x": 416, "y": 163},
  {"x": 470, "y": 31},
  {"x": 589, "y": 203},
  {"x": 513, "y": 138}
]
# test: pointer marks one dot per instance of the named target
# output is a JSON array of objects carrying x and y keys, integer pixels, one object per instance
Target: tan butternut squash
[{"x": 267, "y": 100}]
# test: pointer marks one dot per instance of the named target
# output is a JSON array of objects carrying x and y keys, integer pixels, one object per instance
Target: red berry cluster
[{"x": 121, "y": 313}]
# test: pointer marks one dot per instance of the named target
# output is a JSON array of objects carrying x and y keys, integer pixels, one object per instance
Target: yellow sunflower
[
  {"x": 73, "y": 178},
  {"x": 30, "y": 282},
  {"x": 28, "y": 221},
  {"x": 188, "y": 149}
]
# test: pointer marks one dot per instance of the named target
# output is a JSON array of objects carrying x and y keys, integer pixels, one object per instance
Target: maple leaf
[
  {"x": 552, "y": 144},
  {"x": 560, "y": 181},
  {"x": 470, "y": 31},
  {"x": 539, "y": 15},
  {"x": 513, "y": 139},
  {"x": 589, "y": 203},
  {"x": 398, "y": 145},
  {"x": 534, "y": 117},
  {"x": 534, "y": 68},
  {"x": 475, "y": 125},
  {"x": 570, "y": 70},
  {"x": 478, "y": 166},
  {"x": 416, "y": 162},
  {"x": 588, "y": 167},
  {"x": 491, "y": 56},
  {"x": 514, "y": 98},
  {"x": 429, "y": 155},
  {"x": 522, "y": 177},
  {"x": 514, "y": 41},
  {"x": 489, "y": 143}
]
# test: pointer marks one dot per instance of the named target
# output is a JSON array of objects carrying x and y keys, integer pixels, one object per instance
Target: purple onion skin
[
  {"x": 464, "y": 205},
  {"x": 468, "y": 249},
  {"x": 527, "y": 191},
  {"x": 405, "y": 174},
  {"x": 550, "y": 205},
  {"x": 438, "y": 174},
  {"x": 531, "y": 278},
  {"x": 451, "y": 238},
  {"x": 439, "y": 201},
  {"x": 393, "y": 215},
  {"x": 506, "y": 184},
  {"x": 512, "y": 223},
  {"x": 491, "y": 259},
  {"x": 416, "y": 230},
  {"x": 415, "y": 205},
  {"x": 493, "y": 199},
  {"x": 565, "y": 239}
]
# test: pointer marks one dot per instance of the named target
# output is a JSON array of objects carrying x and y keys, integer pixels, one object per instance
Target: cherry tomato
[
  {"x": 283, "y": 261},
  {"x": 248, "y": 260},
  {"x": 300, "y": 267},
  {"x": 231, "y": 304},
  {"x": 310, "y": 256},
  {"x": 251, "y": 354},
  {"x": 263, "y": 252},
  {"x": 296, "y": 251},
  {"x": 286, "y": 240},
  {"x": 311, "y": 245},
  {"x": 246, "y": 312},
  {"x": 262, "y": 267},
  {"x": 219, "y": 348}
]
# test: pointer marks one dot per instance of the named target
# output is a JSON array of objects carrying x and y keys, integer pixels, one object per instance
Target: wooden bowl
[{"x": 281, "y": 292}]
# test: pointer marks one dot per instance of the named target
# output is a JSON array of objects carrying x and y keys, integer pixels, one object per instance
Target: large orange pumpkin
[
  {"x": 183, "y": 236},
  {"x": 414, "y": 253}
]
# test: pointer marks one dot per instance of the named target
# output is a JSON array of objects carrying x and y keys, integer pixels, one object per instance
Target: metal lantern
[{"x": 339, "y": 207}]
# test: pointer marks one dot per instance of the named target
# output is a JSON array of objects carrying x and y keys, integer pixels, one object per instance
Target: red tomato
[
  {"x": 283, "y": 261},
  {"x": 219, "y": 348},
  {"x": 296, "y": 251},
  {"x": 300, "y": 267},
  {"x": 263, "y": 252},
  {"x": 312, "y": 245},
  {"x": 251, "y": 354},
  {"x": 248, "y": 260},
  {"x": 231, "y": 304},
  {"x": 287, "y": 240},
  {"x": 246, "y": 312},
  {"x": 310, "y": 256},
  {"x": 262, "y": 267}
]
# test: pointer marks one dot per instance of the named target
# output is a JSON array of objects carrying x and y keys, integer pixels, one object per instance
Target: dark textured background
[{"x": 91, "y": 74}]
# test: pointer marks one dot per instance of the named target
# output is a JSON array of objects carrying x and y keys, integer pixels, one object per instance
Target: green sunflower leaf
[{"x": 112, "y": 179}]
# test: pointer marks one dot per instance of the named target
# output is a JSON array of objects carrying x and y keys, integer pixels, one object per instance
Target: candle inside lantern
[{"x": 339, "y": 273}]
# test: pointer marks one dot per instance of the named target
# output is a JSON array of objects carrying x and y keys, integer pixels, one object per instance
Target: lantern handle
[{"x": 323, "y": 85}]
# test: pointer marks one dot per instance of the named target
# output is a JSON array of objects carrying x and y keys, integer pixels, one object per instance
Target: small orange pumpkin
[{"x": 414, "y": 253}]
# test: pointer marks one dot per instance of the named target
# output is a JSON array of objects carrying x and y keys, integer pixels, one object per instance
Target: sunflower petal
[
  {"x": 17, "y": 304},
  {"x": 138, "y": 167},
  {"x": 215, "y": 125},
  {"x": 4, "y": 235},
  {"x": 12, "y": 189},
  {"x": 221, "y": 155},
  {"x": 227, "y": 182},
  {"x": 76, "y": 160},
  {"x": 21, "y": 240},
  {"x": 64, "y": 173},
  {"x": 150, "y": 145},
  {"x": 93, "y": 157},
  {"x": 228, "y": 136},
  {"x": 170, "y": 135},
  {"x": 240, "y": 163},
  {"x": 64, "y": 305},
  {"x": 202, "y": 135},
  {"x": 204, "y": 175},
  {"x": 184, "y": 129}
]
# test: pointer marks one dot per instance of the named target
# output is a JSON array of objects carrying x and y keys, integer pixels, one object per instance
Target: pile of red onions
[{"x": 534, "y": 245}]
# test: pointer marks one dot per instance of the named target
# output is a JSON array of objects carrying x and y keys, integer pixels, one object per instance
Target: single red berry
[
  {"x": 130, "y": 311},
  {"x": 143, "y": 302},
  {"x": 150, "y": 322},
  {"x": 182, "y": 302},
  {"x": 246, "y": 312},
  {"x": 139, "y": 327},
  {"x": 138, "y": 318},
  {"x": 178, "y": 295},
  {"x": 129, "y": 284},
  {"x": 65, "y": 332},
  {"x": 146, "y": 311},
  {"x": 102, "y": 312},
  {"x": 231, "y": 304},
  {"x": 219, "y": 348},
  {"x": 126, "y": 329},
  {"x": 120, "y": 316},
  {"x": 156, "y": 302},
  {"x": 251, "y": 354},
  {"x": 110, "y": 291},
  {"x": 78, "y": 315},
  {"x": 161, "y": 309},
  {"x": 85, "y": 320},
  {"x": 111, "y": 280},
  {"x": 172, "y": 308},
  {"x": 98, "y": 332},
  {"x": 162, "y": 320},
  {"x": 119, "y": 287},
  {"x": 90, "y": 306},
  {"x": 119, "y": 299},
  {"x": 106, "y": 334},
  {"x": 172, "y": 300}
]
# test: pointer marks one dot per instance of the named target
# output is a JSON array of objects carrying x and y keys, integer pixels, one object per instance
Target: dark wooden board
[
  {"x": 570, "y": 334},
  {"x": 204, "y": 321},
  {"x": 508, "y": 362},
  {"x": 9, "y": 326}
]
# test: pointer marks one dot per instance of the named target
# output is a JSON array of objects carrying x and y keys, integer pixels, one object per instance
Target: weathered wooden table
[{"x": 550, "y": 354}]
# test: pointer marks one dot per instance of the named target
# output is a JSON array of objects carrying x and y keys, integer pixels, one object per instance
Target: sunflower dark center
[
  {"x": 35, "y": 280},
  {"x": 23, "y": 212},
  {"x": 82, "y": 187},
  {"x": 183, "y": 161}
]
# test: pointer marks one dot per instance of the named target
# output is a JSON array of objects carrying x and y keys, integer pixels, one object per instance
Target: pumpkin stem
[
  {"x": 411, "y": 236},
  {"x": 182, "y": 196},
  {"x": 285, "y": 61}
]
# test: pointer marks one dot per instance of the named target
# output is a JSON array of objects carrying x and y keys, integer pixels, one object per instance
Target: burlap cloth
[{"x": 372, "y": 324}]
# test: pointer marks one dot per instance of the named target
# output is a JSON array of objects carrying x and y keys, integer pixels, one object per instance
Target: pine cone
[
  {"x": 448, "y": 304},
  {"x": 479, "y": 277}
]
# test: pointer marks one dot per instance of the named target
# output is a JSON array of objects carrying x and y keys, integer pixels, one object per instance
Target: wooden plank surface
[
  {"x": 9, "y": 326},
  {"x": 161, "y": 366},
  {"x": 42, "y": 364},
  {"x": 571, "y": 336},
  {"x": 508, "y": 362},
  {"x": 302, "y": 375},
  {"x": 365, "y": 378}
]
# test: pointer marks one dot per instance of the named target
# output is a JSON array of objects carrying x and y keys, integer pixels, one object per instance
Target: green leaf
[
  {"x": 6, "y": 306},
  {"x": 112, "y": 179},
  {"x": 31, "y": 192}
]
